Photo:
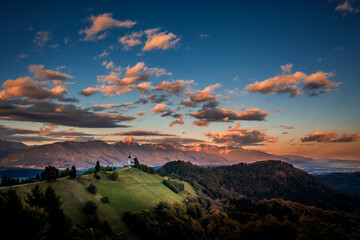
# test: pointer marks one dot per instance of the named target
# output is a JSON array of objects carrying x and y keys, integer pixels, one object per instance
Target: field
[{"x": 134, "y": 190}]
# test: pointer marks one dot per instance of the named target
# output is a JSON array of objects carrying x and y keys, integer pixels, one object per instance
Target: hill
[
  {"x": 347, "y": 182},
  {"x": 134, "y": 190},
  {"x": 263, "y": 180}
]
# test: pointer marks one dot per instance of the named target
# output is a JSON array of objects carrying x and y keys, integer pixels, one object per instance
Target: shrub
[
  {"x": 91, "y": 188},
  {"x": 105, "y": 200},
  {"x": 90, "y": 208},
  {"x": 114, "y": 175}
]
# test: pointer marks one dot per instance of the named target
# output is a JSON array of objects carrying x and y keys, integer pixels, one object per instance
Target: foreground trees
[{"x": 40, "y": 216}]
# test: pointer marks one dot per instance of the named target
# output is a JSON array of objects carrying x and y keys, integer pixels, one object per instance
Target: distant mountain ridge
[
  {"x": 85, "y": 154},
  {"x": 7, "y": 147}
]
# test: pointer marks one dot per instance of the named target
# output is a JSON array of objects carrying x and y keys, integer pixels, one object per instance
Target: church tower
[{"x": 130, "y": 161}]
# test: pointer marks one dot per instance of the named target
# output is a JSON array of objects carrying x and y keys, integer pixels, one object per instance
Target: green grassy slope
[{"x": 134, "y": 191}]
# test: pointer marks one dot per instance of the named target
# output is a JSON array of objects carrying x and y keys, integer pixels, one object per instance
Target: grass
[{"x": 134, "y": 190}]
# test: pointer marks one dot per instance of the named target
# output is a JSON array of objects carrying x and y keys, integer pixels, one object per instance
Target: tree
[
  {"x": 65, "y": 173},
  {"x": 37, "y": 176},
  {"x": 50, "y": 174},
  {"x": 97, "y": 167},
  {"x": 72, "y": 172},
  {"x": 136, "y": 163}
]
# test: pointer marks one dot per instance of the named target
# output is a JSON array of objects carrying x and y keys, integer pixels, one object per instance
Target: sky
[{"x": 276, "y": 76}]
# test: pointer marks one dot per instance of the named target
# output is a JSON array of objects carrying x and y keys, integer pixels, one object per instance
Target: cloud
[
  {"x": 41, "y": 38},
  {"x": 21, "y": 135},
  {"x": 201, "y": 123},
  {"x": 177, "y": 121},
  {"x": 161, "y": 72},
  {"x": 330, "y": 136},
  {"x": 89, "y": 91},
  {"x": 173, "y": 141},
  {"x": 225, "y": 114},
  {"x": 100, "y": 107},
  {"x": 159, "y": 40},
  {"x": 141, "y": 133},
  {"x": 204, "y": 36},
  {"x": 167, "y": 113},
  {"x": 287, "y": 127},
  {"x": 240, "y": 137},
  {"x": 172, "y": 87},
  {"x": 205, "y": 94},
  {"x": 101, "y": 23},
  {"x": 61, "y": 114},
  {"x": 131, "y": 40},
  {"x": 40, "y": 72},
  {"x": 143, "y": 87},
  {"x": 133, "y": 75},
  {"x": 287, "y": 83},
  {"x": 31, "y": 89},
  {"x": 199, "y": 96},
  {"x": 346, "y": 8},
  {"x": 140, "y": 113},
  {"x": 47, "y": 128},
  {"x": 22, "y": 56},
  {"x": 159, "y": 108}
]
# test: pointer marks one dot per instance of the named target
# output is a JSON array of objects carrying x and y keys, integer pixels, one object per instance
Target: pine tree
[
  {"x": 73, "y": 172},
  {"x": 97, "y": 167}
]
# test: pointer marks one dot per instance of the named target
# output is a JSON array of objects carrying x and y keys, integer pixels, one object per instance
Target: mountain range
[{"x": 84, "y": 155}]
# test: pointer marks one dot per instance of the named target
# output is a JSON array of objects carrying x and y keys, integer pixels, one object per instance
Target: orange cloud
[
  {"x": 88, "y": 91},
  {"x": 177, "y": 121},
  {"x": 201, "y": 123},
  {"x": 40, "y": 72},
  {"x": 286, "y": 83},
  {"x": 47, "y": 128},
  {"x": 141, "y": 113},
  {"x": 159, "y": 108},
  {"x": 26, "y": 87},
  {"x": 101, "y": 23},
  {"x": 131, "y": 40},
  {"x": 162, "y": 40},
  {"x": 143, "y": 87}
]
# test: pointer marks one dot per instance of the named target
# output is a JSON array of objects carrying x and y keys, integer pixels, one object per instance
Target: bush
[
  {"x": 91, "y": 188},
  {"x": 90, "y": 208},
  {"x": 105, "y": 200},
  {"x": 173, "y": 185},
  {"x": 114, "y": 175}
]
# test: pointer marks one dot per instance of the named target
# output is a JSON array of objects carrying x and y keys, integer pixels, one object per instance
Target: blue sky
[{"x": 232, "y": 43}]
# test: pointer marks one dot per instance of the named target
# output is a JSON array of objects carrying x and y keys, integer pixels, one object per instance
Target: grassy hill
[{"x": 134, "y": 190}]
